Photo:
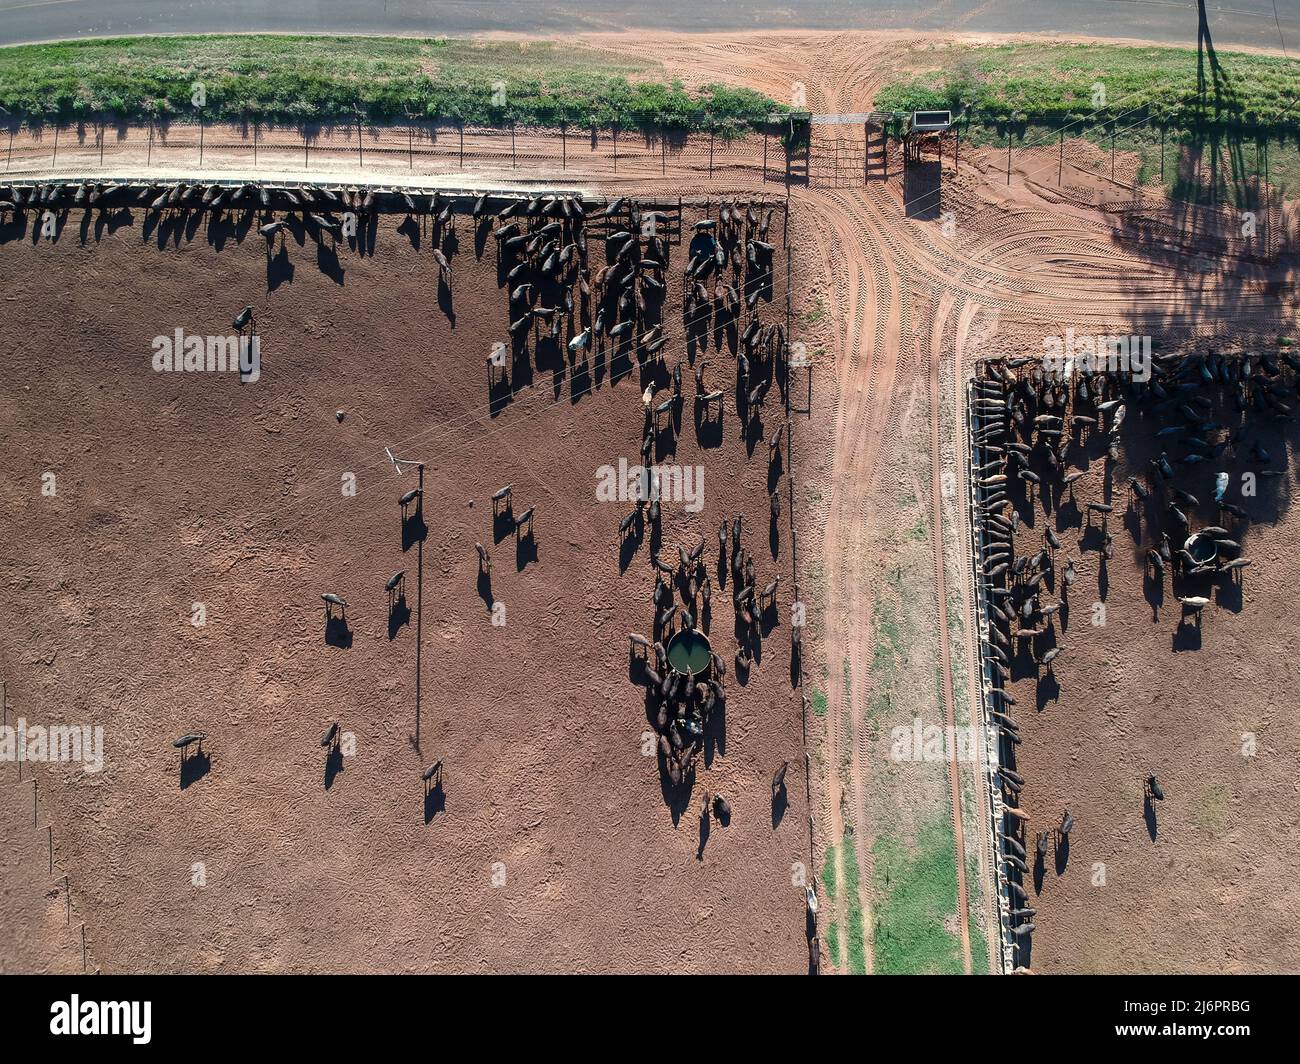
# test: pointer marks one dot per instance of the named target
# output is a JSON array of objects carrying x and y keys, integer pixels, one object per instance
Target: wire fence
[{"x": 420, "y": 147}]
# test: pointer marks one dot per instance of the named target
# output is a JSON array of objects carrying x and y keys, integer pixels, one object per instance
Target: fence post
[
  {"x": 410, "y": 147},
  {"x": 200, "y": 140},
  {"x": 9, "y": 161},
  {"x": 1008, "y": 156},
  {"x": 616, "y": 149},
  {"x": 1060, "y": 163},
  {"x": 305, "y": 149},
  {"x": 56, "y": 143},
  {"x": 462, "y": 144},
  {"x": 663, "y": 153},
  {"x": 710, "y": 153},
  {"x": 360, "y": 160},
  {"x": 101, "y": 144},
  {"x": 514, "y": 161},
  {"x": 564, "y": 147},
  {"x": 765, "y": 156}
]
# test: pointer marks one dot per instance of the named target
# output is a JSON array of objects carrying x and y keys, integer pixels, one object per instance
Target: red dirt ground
[
  {"x": 1197, "y": 882},
  {"x": 175, "y": 489}
]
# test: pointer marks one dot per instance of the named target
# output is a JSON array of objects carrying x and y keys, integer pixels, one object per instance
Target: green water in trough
[{"x": 688, "y": 653}]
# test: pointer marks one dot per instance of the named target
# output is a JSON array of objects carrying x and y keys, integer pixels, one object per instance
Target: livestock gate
[{"x": 847, "y": 151}]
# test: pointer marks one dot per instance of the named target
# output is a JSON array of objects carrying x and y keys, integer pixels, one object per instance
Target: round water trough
[
  {"x": 689, "y": 653},
  {"x": 1202, "y": 549}
]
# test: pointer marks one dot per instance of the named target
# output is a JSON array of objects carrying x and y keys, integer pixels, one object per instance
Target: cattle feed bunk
[{"x": 989, "y": 691}]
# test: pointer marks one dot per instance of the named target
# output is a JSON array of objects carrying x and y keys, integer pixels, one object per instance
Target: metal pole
[
  {"x": 462, "y": 145},
  {"x": 1008, "y": 156},
  {"x": 200, "y": 140},
  {"x": 254, "y": 143},
  {"x": 1060, "y": 164},
  {"x": 56, "y": 143},
  {"x": 514, "y": 161},
  {"x": 1112, "y": 151},
  {"x": 663, "y": 153},
  {"x": 360, "y": 161},
  {"x": 305, "y": 149},
  {"x": 765, "y": 156},
  {"x": 710, "y": 153},
  {"x": 101, "y": 144},
  {"x": 616, "y": 149},
  {"x": 9, "y": 161},
  {"x": 564, "y": 147},
  {"x": 1268, "y": 205},
  {"x": 419, "y": 611},
  {"x": 410, "y": 147}
]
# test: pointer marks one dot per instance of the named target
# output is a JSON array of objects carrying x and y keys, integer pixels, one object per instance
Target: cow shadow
[
  {"x": 338, "y": 633},
  {"x": 194, "y": 768},
  {"x": 435, "y": 801},
  {"x": 333, "y": 765},
  {"x": 398, "y": 616}
]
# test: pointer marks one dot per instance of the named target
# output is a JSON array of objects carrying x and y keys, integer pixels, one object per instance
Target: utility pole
[{"x": 398, "y": 463}]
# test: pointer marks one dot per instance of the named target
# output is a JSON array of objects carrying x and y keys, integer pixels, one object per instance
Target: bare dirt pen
[
  {"x": 554, "y": 844},
  {"x": 1142, "y": 684}
]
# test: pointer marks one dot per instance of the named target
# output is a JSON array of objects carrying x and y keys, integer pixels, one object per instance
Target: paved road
[{"x": 1240, "y": 22}]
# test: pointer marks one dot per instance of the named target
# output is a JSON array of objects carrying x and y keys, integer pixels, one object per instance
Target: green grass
[
  {"x": 915, "y": 892},
  {"x": 833, "y": 943},
  {"x": 886, "y": 655},
  {"x": 857, "y": 943},
  {"x": 1051, "y": 82},
  {"x": 320, "y": 79},
  {"x": 828, "y": 873},
  {"x": 819, "y": 701},
  {"x": 1029, "y": 92}
]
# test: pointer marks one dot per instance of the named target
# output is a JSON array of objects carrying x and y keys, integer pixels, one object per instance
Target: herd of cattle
[
  {"x": 613, "y": 310},
  {"x": 1035, "y": 430}
]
